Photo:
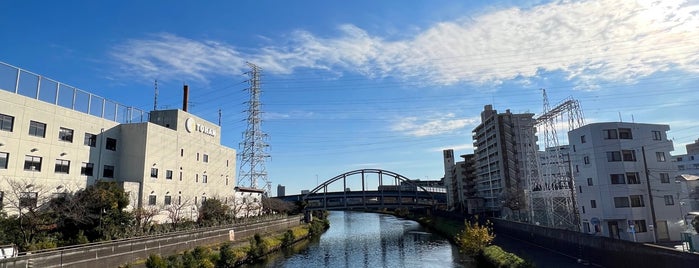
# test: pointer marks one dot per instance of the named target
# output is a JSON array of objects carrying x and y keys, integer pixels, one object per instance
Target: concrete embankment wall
[
  {"x": 120, "y": 252},
  {"x": 602, "y": 251}
]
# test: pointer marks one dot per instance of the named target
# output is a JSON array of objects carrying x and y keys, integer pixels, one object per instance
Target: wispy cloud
[
  {"x": 430, "y": 126},
  {"x": 586, "y": 40},
  {"x": 457, "y": 148}
]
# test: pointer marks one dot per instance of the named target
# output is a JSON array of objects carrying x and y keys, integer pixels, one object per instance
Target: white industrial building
[
  {"x": 56, "y": 139},
  {"x": 625, "y": 183}
]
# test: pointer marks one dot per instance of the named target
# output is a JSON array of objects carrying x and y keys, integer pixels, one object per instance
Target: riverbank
[
  {"x": 490, "y": 256},
  {"x": 233, "y": 254}
]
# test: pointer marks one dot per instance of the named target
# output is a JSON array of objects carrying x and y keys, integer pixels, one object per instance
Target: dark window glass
[
  {"x": 90, "y": 139},
  {"x": 108, "y": 171},
  {"x": 629, "y": 155},
  {"x": 613, "y": 156},
  {"x": 32, "y": 163},
  {"x": 168, "y": 200},
  {"x": 86, "y": 169},
  {"x": 664, "y": 178},
  {"x": 111, "y": 144},
  {"x": 6, "y": 122},
  {"x": 65, "y": 134},
  {"x": 4, "y": 159},
  {"x": 669, "y": 201},
  {"x": 657, "y": 135},
  {"x": 168, "y": 174},
  {"x": 152, "y": 200},
  {"x": 154, "y": 173},
  {"x": 636, "y": 201},
  {"x": 609, "y": 134},
  {"x": 37, "y": 129},
  {"x": 625, "y": 133},
  {"x": 593, "y": 203},
  {"x": 617, "y": 178},
  {"x": 621, "y": 202},
  {"x": 62, "y": 166}
]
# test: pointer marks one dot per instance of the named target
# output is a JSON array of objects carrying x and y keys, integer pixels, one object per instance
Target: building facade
[
  {"x": 625, "y": 181},
  {"x": 173, "y": 158},
  {"x": 501, "y": 142}
]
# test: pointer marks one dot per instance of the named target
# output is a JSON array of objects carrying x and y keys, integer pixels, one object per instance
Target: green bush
[
  {"x": 288, "y": 238},
  {"x": 500, "y": 258},
  {"x": 474, "y": 237},
  {"x": 155, "y": 261}
]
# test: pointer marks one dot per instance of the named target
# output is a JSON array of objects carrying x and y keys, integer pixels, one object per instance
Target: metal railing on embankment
[{"x": 120, "y": 252}]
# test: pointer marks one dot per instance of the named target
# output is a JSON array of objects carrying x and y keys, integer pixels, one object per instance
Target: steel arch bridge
[{"x": 393, "y": 191}]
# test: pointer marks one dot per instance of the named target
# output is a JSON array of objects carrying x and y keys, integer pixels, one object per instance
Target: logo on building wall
[{"x": 190, "y": 126}]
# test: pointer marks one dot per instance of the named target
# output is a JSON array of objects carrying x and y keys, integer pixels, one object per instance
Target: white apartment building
[
  {"x": 47, "y": 148},
  {"x": 625, "y": 181},
  {"x": 501, "y": 143},
  {"x": 688, "y": 163}
]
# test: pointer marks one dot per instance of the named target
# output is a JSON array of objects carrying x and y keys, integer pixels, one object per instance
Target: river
[{"x": 358, "y": 239}]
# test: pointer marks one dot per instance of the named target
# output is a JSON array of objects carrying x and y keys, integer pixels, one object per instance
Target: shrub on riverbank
[
  {"x": 474, "y": 237},
  {"x": 500, "y": 258}
]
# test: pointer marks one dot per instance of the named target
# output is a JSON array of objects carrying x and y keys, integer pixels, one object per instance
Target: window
[
  {"x": 617, "y": 178},
  {"x": 664, "y": 178},
  {"x": 593, "y": 203},
  {"x": 580, "y": 189},
  {"x": 152, "y": 199},
  {"x": 609, "y": 134},
  {"x": 589, "y": 182},
  {"x": 196, "y": 177},
  {"x": 577, "y": 168},
  {"x": 621, "y": 202},
  {"x": 628, "y": 155},
  {"x": 86, "y": 169},
  {"x": 204, "y": 178},
  {"x": 206, "y": 158},
  {"x": 586, "y": 160},
  {"x": 37, "y": 129},
  {"x": 632, "y": 178},
  {"x": 65, "y": 134},
  {"x": 28, "y": 199},
  {"x": 586, "y": 227},
  {"x": 108, "y": 171},
  {"x": 614, "y": 156},
  {"x": 62, "y": 166},
  {"x": 168, "y": 200},
  {"x": 4, "y": 159},
  {"x": 582, "y": 139},
  {"x": 197, "y": 156},
  {"x": 32, "y": 163},
  {"x": 583, "y": 209},
  {"x": 6, "y": 122},
  {"x": 168, "y": 174},
  {"x": 679, "y": 159},
  {"x": 680, "y": 167},
  {"x": 669, "y": 201},
  {"x": 181, "y": 152},
  {"x": 179, "y": 200},
  {"x": 154, "y": 173},
  {"x": 111, "y": 144},
  {"x": 657, "y": 135},
  {"x": 625, "y": 133},
  {"x": 203, "y": 199},
  {"x": 226, "y": 162},
  {"x": 637, "y": 201},
  {"x": 90, "y": 140},
  {"x": 660, "y": 156},
  {"x": 2, "y": 196},
  {"x": 180, "y": 175},
  {"x": 640, "y": 226}
]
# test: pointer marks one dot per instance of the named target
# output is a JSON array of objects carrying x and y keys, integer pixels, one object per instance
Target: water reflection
[{"x": 357, "y": 239}]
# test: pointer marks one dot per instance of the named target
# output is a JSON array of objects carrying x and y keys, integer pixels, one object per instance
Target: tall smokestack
[{"x": 185, "y": 98}]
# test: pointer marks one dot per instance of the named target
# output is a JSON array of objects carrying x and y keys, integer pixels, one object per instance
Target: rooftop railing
[{"x": 28, "y": 84}]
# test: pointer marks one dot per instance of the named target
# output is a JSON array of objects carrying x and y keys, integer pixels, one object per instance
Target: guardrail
[{"x": 28, "y": 84}]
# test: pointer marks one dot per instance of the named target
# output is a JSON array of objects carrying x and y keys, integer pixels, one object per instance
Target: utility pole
[{"x": 650, "y": 195}]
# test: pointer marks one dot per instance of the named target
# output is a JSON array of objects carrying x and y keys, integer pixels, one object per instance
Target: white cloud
[
  {"x": 430, "y": 126},
  {"x": 586, "y": 40}
]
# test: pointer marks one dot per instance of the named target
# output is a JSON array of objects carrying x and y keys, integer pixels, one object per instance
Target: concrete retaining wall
[
  {"x": 598, "y": 250},
  {"x": 116, "y": 253}
]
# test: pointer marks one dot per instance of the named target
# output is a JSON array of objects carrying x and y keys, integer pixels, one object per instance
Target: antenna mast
[{"x": 254, "y": 146}]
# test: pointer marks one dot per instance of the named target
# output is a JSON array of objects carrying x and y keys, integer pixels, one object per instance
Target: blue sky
[{"x": 370, "y": 84}]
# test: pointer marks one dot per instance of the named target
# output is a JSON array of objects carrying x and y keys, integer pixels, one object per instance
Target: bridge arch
[{"x": 400, "y": 190}]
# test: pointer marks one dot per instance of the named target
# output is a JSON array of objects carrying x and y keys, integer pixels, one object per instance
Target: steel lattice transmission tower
[
  {"x": 553, "y": 189},
  {"x": 254, "y": 154}
]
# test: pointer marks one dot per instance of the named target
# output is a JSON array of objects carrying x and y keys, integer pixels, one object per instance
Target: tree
[
  {"x": 276, "y": 205},
  {"x": 28, "y": 227},
  {"x": 474, "y": 237},
  {"x": 175, "y": 211},
  {"x": 213, "y": 212},
  {"x": 144, "y": 216}
]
